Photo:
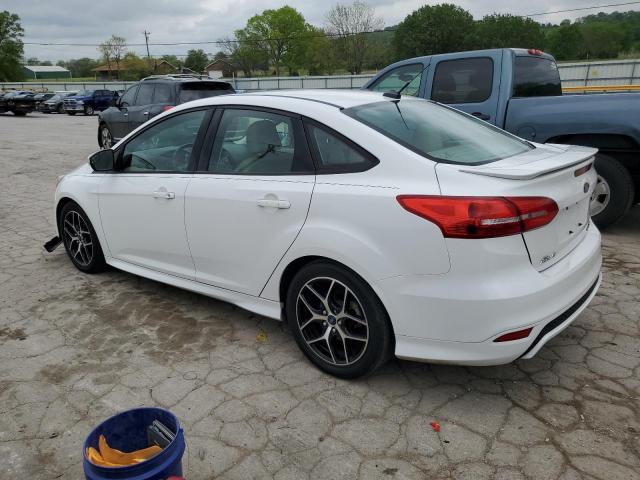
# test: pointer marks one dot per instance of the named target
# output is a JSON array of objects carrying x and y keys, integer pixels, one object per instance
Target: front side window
[
  {"x": 468, "y": 80},
  {"x": 129, "y": 96},
  {"x": 536, "y": 77},
  {"x": 145, "y": 94},
  {"x": 164, "y": 147},
  {"x": 250, "y": 142},
  {"x": 395, "y": 79},
  {"x": 335, "y": 154},
  {"x": 439, "y": 133}
]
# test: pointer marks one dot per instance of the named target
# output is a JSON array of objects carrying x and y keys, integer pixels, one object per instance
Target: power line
[{"x": 299, "y": 37}]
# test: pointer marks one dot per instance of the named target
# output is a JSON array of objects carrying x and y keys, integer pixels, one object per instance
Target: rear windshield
[
  {"x": 439, "y": 133},
  {"x": 536, "y": 77},
  {"x": 195, "y": 91}
]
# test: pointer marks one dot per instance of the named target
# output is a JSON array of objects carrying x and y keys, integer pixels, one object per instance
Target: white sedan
[{"x": 373, "y": 225}]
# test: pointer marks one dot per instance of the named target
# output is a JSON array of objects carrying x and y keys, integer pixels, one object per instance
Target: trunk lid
[{"x": 552, "y": 171}]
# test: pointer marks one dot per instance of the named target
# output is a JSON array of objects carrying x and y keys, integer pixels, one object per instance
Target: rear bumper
[{"x": 454, "y": 318}]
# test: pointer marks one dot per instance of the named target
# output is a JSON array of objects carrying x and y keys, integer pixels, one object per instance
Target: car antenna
[{"x": 396, "y": 95}]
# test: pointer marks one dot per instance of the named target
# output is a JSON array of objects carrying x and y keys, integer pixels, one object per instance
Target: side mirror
[{"x": 102, "y": 161}]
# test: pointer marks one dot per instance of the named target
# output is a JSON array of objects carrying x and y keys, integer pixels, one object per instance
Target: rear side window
[
  {"x": 163, "y": 93},
  {"x": 536, "y": 77},
  {"x": 468, "y": 80},
  {"x": 337, "y": 155},
  {"x": 395, "y": 79},
  {"x": 145, "y": 94},
  {"x": 196, "y": 90}
]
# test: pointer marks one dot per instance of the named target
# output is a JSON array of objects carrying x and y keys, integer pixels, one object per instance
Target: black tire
[
  {"x": 60, "y": 109},
  {"x": 71, "y": 113},
  {"x": 104, "y": 133},
  {"x": 366, "y": 356},
  {"x": 19, "y": 113},
  {"x": 71, "y": 217},
  {"x": 88, "y": 110},
  {"x": 620, "y": 186}
]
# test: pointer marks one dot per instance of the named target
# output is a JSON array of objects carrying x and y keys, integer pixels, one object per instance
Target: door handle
[
  {"x": 125, "y": 114},
  {"x": 272, "y": 203},
  {"x": 145, "y": 113},
  {"x": 164, "y": 194},
  {"x": 481, "y": 116}
]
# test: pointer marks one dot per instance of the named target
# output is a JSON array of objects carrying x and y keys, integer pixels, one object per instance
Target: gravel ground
[{"x": 76, "y": 348}]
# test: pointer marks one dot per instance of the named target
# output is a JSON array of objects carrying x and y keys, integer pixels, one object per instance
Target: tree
[
  {"x": 602, "y": 40},
  {"x": 196, "y": 60},
  {"x": 173, "y": 60},
  {"x": 314, "y": 53},
  {"x": 112, "y": 51},
  {"x": 135, "y": 67},
  {"x": 277, "y": 33},
  {"x": 564, "y": 42},
  {"x": 11, "y": 47},
  {"x": 245, "y": 53},
  {"x": 349, "y": 24},
  {"x": 508, "y": 31},
  {"x": 434, "y": 29}
]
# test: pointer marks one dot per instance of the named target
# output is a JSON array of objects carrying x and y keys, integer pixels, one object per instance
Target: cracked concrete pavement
[{"x": 75, "y": 349}]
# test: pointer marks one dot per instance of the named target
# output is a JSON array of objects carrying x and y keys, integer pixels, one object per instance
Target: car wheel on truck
[{"x": 613, "y": 195}]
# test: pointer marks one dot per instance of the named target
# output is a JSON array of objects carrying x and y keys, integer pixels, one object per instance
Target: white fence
[{"x": 613, "y": 72}]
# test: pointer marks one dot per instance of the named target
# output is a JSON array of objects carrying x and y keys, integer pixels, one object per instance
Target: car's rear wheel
[
  {"x": 105, "y": 137},
  {"x": 80, "y": 239},
  {"x": 88, "y": 110},
  {"x": 18, "y": 113},
  {"x": 60, "y": 109},
  {"x": 613, "y": 194},
  {"x": 337, "y": 320}
]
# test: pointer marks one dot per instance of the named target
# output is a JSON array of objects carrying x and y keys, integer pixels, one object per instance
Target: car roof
[{"x": 297, "y": 101}]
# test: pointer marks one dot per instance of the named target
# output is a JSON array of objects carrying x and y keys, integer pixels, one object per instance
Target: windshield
[
  {"x": 195, "y": 91},
  {"x": 439, "y": 133}
]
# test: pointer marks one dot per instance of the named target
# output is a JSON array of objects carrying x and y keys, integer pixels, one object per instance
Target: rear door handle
[
  {"x": 481, "y": 116},
  {"x": 273, "y": 203},
  {"x": 167, "y": 195},
  {"x": 145, "y": 113}
]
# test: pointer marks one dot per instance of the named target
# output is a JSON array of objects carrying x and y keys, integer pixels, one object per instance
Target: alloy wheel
[
  {"x": 105, "y": 136},
  {"x": 77, "y": 238},
  {"x": 600, "y": 196},
  {"x": 332, "y": 321}
]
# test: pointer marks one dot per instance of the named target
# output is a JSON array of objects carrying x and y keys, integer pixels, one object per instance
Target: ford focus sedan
[{"x": 374, "y": 225}]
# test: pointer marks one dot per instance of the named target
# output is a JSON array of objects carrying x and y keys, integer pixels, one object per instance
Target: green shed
[{"x": 45, "y": 72}]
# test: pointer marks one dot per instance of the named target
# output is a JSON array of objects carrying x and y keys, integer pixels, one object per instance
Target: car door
[
  {"x": 139, "y": 112},
  {"x": 470, "y": 84},
  {"x": 246, "y": 205},
  {"x": 142, "y": 203},
  {"x": 119, "y": 120}
]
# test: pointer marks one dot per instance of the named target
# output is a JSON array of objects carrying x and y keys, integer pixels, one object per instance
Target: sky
[{"x": 81, "y": 21}]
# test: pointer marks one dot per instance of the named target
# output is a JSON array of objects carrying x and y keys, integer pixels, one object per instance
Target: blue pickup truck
[
  {"x": 519, "y": 90},
  {"x": 89, "y": 101}
]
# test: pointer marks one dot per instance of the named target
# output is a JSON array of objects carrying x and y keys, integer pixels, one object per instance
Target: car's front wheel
[
  {"x": 80, "y": 239},
  {"x": 337, "y": 320},
  {"x": 61, "y": 109},
  {"x": 104, "y": 136},
  {"x": 88, "y": 110}
]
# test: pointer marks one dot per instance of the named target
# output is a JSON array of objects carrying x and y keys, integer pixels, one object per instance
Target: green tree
[
  {"x": 564, "y": 42},
  {"x": 11, "y": 47},
  {"x": 135, "y": 67},
  {"x": 196, "y": 60},
  {"x": 173, "y": 60},
  {"x": 315, "y": 54},
  {"x": 350, "y": 26},
  {"x": 434, "y": 29},
  {"x": 508, "y": 31},
  {"x": 278, "y": 33},
  {"x": 602, "y": 40}
]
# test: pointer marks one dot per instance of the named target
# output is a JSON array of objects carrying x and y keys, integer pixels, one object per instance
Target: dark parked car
[
  {"x": 151, "y": 96},
  {"x": 89, "y": 101},
  {"x": 56, "y": 102},
  {"x": 40, "y": 98},
  {"x": 18, "y": 102}
]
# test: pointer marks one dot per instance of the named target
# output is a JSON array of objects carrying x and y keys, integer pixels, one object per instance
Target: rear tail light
[
  {"x": 481, "y": 217},
  {"x": 517, "y": 335},
  {"x": 167, "y": 107}
]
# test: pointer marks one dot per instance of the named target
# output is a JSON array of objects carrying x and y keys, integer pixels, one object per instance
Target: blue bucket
[{"x": 127, "y": 431}]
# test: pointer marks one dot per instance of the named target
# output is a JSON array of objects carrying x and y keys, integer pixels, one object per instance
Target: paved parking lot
[{"x": 76, "y": 348}]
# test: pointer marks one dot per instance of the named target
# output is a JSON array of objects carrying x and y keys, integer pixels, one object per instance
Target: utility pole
[{"x": 146, "y": 40}]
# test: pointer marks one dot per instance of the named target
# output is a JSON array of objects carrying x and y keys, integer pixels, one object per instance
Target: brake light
[
  {"x": 481, "y": 217},
  {"x": 517, "y": 335},
  {"x": 167, "y": 107},
  {"x": 583, "y": 170},
  {"x": 534, "y": 51}
]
